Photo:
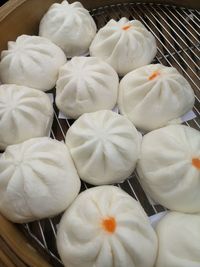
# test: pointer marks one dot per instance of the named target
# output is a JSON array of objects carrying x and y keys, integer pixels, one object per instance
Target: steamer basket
[{"x": 177, "y": 30}]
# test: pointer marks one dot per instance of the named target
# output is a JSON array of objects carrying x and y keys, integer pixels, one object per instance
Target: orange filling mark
[
  {"x": 109, "y": 224},
  {"x": 153, "y": 75},
  {"x": 196, "y": 163},
  {"x": 126, "y": 27}
]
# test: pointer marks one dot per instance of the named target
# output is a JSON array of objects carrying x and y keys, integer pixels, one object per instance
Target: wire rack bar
[
  {"x": 196, "y": 17},
  {"x": 181, "y": 24},
  {"x": 193, "y": 21},
  {"x": 177, "y": 11},
  {"x": 182, "y": 49}
]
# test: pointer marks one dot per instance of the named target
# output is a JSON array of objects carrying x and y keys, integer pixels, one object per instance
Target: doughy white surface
[
  {"x": 125, "y": 45},
  {"x": 37, "y": 180},
  {"x": 105, "y": 147},
  {"x": 154, "y": 96},
  {"x": 169, "y": 167},
  {"x": 106, "y": 227},
  {"x": 179, "y": 240},
  {"x": 31, "y": 61},
  {"x": 70, "y": 26},
  {"x": 86, "y": 84},
  {"x": 24, "y": 113}
]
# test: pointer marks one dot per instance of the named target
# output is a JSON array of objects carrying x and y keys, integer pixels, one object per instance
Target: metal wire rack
[{"x": 177, "y": 31}]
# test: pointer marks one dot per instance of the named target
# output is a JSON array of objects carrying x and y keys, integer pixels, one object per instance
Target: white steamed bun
[
  {"x": 179, "y": 240},
  {"x": 70, "y": 26},
  {"x": 86, "y": 84},
  {"x": 169, "y": 167},
  {"x": 24, "y": 113},
  {"x": 105, "y": 227},
  {"x": 31, "y": 61},
  {"x": 37, "y": 180},
  {"x": 125, "y": 45},
  {"x": 154, "y": 96},
  {"x": 105, "y": 147}
]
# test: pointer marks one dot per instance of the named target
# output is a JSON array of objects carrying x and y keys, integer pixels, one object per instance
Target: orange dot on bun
[
  {"x": 126, "y": 27},
  {"x": 196, "y": 163},
  {"x": 109, "y": 225},
  {"x": 153, "y": 75}
]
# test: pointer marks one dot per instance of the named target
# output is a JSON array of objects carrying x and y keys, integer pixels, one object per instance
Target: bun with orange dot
[
  {"x": 105, "y": 227},
  {"x": 154, "y": 96},
  {"x": 169, "y": 167},
  {"x": 125, "y": 45}
]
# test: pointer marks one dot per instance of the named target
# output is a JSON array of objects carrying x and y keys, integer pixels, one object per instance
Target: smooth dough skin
[
  {"x": 37, "y": 180},
  {"x": 86, "y": 84},
  {"x": 125, "y": 45},
  {"x": 169, "y": 167},
  {"x": 70, "y": 26},
  {"x": 31, "y": 61},
  {"x": 179, "y": 240},
  {"x": 105, "y": 227},
  {"x": 105, "y": 147},
  {"x": 24, "y": 113},
  {"x": 154, "y": 96}
]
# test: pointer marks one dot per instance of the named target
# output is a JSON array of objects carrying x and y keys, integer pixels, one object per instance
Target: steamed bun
[
  {"x": 31, "y": 61},
  {"x": 105, "y": 147},
  {"x": 154, "y": 96},
  {"x": 37, "y": 180},
  {"x": 169, "y": 167},
  {"x": 105, "y": 227},
  {"x": 125, "y": 45},
  {"x": 179, "y": 240},
  {"x": 24, "y": 113},
  {"x": 70, "y": 26},
  {"x": 86, "y": 84}
]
